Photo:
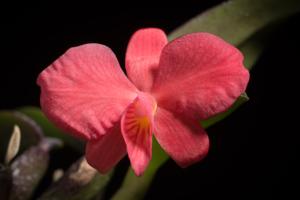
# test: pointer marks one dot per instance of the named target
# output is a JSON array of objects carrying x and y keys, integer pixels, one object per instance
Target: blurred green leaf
[
  {"x": 50, "y": 129},
  {"x": 252, "y": 49},
  {"x": 236, "y": 20}
]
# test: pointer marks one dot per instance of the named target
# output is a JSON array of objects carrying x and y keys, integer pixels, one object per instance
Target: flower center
[
  {"x": 143, "y": 122},
  {"x": 139, "y": 115}
]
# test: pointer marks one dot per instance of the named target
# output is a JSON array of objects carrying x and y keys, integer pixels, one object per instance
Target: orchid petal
[
  {"x": 136, "y": 126},
  {"x": 184, "y": 140},
  {"x": 142, "y": 56},
  {"x": 85, "y": 91},
  {"x": 199, "y": 75},
  {"x": 105, "y": 152}
]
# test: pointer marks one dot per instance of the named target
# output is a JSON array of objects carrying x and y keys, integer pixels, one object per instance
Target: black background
[{"x": 254, "y": 153}]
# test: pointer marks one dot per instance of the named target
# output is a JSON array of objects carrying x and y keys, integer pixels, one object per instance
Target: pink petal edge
[
  {"x": 142, "y": 56},
  {"x": 199, "y": 75},
  {"x": 85, "y": 91},
  {"x": 183, "y": 139}
]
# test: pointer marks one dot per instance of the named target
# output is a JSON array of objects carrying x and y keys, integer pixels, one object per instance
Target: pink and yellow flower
[{"x": 169, "y": 89}]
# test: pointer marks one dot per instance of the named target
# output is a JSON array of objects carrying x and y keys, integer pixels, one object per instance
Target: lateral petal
[
  {"x": 183, "y": 139},
  {"x": 142, "y": 56},
  {"x": 199, "y": 75},
  {"x": 85, "y": 91},
  {"x": 105, "y": 152}
]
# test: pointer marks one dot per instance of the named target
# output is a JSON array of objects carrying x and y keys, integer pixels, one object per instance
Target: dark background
[{"x": 254, "y": 153}]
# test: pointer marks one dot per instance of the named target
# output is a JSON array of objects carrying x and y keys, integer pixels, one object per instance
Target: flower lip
[{"x": 137, "y": 126}]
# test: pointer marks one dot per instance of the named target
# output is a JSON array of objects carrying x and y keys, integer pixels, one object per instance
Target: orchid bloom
[{"x": 170, "y": 88}]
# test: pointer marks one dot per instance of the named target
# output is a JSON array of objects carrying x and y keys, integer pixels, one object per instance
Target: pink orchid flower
[{"x": 171, "y": 87}]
